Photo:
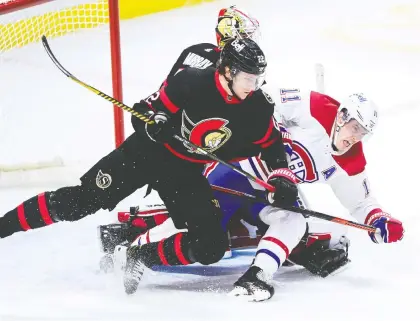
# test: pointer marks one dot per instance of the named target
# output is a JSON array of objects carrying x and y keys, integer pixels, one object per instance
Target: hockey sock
[
  {"x": 31, "y": 214},
  {"x": 171, "y": 251}
]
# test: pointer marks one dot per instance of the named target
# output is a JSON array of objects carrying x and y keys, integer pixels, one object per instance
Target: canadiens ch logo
[
  {"x": 302, "y": 164},
  {"x": 210, "y": 134}
]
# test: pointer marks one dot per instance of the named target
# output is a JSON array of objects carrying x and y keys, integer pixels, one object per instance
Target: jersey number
[
  {"x": 287, "y": 95},
  {"x": 152, "y": 97}
]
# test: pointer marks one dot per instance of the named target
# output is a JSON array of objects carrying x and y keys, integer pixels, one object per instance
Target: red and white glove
[{"x": 388, "y": 229}]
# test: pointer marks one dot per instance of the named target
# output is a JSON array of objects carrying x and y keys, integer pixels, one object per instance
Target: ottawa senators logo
[{"x": 210, "y": 134}]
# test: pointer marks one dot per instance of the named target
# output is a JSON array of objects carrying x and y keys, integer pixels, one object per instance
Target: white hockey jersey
[{"x": 309, "y": 118}]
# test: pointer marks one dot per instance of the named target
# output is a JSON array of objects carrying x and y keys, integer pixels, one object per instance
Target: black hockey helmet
[{"x": 242, "y": 55}]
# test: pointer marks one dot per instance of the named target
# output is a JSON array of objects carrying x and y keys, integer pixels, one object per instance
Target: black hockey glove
[
  {"x": 286, "y": 193},
  {"x": 162, "y": 130}
]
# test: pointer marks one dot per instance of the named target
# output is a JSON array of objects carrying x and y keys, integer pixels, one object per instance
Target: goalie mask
[{"x": 233, "y": 23}]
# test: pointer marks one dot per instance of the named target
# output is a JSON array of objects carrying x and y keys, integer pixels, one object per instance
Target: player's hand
[
  {"x": 388, "y": 229},
  {"x": 162, "y": 130},
  {"x": 286, "y": 193}
]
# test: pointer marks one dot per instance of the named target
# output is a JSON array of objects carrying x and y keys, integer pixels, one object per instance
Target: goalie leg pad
[{"x": 318, "y": 257}]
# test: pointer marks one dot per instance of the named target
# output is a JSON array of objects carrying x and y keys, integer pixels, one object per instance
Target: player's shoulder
[
  {"x": 322, "y": 101},
  {"x": 263, "y": 101},
  {"x": 263, "y": 97},
  {"x": 194, "y": 77},
  {"x": 205, "y": 46},
  {"x": 201, "y": 55}
]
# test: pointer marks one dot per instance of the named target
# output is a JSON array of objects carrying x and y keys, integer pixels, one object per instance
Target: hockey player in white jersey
[{"x": 326, "y": 147}]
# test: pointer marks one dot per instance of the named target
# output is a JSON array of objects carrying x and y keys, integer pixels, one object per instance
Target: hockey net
[{"x": 45, "y": 120}]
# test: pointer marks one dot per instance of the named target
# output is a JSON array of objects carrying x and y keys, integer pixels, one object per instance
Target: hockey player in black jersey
[
  {"x": 222, "y": 111},
  {"x": 225, "y": 112}
]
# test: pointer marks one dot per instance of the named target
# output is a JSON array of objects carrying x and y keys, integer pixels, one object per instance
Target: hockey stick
[
  {"x": 147, "y": 120},
  {"x": 204, "y": 152},
  {"x": 302, "y": 211}
]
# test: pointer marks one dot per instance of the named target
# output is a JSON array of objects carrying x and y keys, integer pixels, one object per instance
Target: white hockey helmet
[{"x": 360, "y": 108}]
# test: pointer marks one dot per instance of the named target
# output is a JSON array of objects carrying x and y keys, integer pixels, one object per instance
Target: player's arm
[
  {"x": 355, "y": 194},
  {"x": 160, "y": 105},
  {"x": 274, "y": 154},
  {"x": 272, "y": 147}
]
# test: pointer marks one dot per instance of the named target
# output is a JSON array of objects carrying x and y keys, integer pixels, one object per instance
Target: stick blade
[{"x": 47, "y": 48}]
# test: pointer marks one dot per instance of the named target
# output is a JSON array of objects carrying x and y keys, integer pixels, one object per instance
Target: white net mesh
[{"x": 44, "y": 117}]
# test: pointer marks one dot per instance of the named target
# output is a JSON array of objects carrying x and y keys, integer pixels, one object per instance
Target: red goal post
[{"x": 62, "y": 17}]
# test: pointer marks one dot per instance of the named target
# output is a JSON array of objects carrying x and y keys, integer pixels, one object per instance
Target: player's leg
[
  {"x": 284, "y": 231},
  {"x": 219, "y": 175},
  {"x": 191, "y": 203},
  {"x": 152, "y": 223},
  {"x": 144, "y": 220},
  {"x": 148, "y": 217},
  {"x": 108, "y": 182}
]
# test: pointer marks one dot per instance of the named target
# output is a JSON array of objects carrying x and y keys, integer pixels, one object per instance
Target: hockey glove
[
  {"x": 388, "y": 229},
  {"x": 162, "y": 130},
  {"x": 286, "y": 193}
]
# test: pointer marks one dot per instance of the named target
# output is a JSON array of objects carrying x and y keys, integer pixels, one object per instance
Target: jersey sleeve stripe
[
  {"x": 269, "y": 143},
  {"x": 267, "y": 134}
]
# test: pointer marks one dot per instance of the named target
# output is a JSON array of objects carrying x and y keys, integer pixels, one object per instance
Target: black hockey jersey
[{"x": 205, "y": 114}]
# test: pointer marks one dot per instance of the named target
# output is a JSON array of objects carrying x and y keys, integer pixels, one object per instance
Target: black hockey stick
[
  {"x": 302, "y": 211},
  {"x": 147, "y": 120}
]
